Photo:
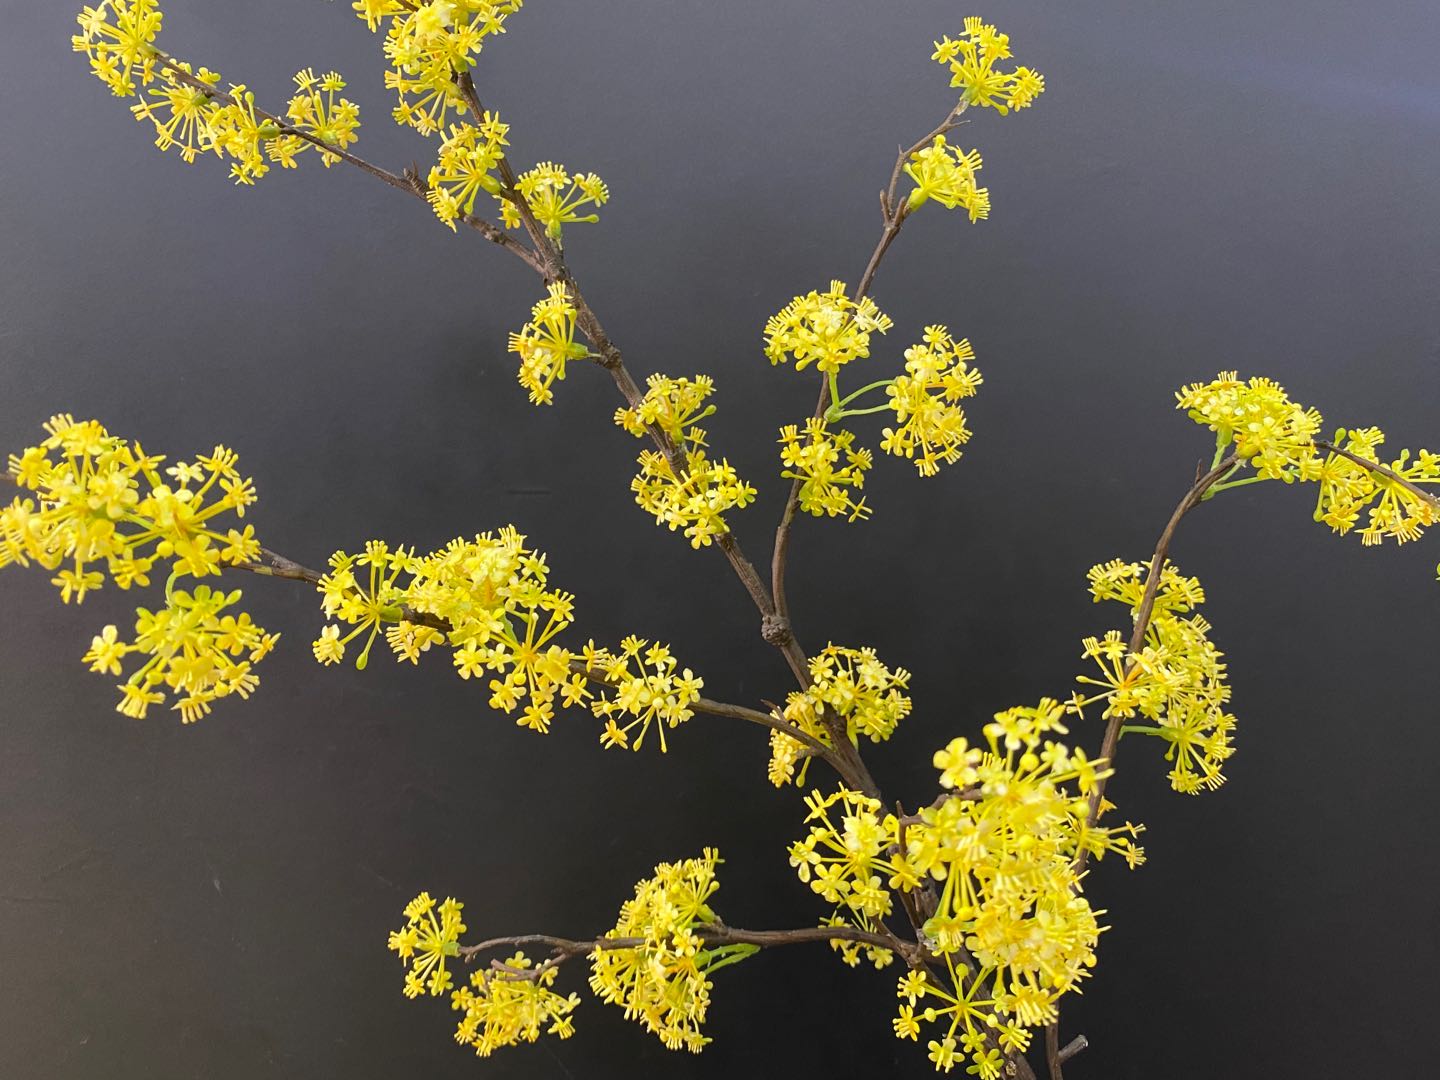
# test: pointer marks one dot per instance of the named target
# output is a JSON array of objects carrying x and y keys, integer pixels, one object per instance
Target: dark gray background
[{"x": 1203, "y": 186}]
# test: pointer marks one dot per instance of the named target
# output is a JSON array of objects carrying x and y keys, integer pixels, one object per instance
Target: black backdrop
[{"x": 1203, "y": 186}]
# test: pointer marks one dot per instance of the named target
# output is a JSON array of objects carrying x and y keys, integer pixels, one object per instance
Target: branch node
[{"x": 776, "y": 630}]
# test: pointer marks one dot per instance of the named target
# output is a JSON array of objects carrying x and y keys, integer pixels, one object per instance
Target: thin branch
[
  {"x": 716, "y": 934},
  {"x": 272, "y": 564},
  {"x": 1055, "y": 1054},
  {"x": 894, "y": 217}
]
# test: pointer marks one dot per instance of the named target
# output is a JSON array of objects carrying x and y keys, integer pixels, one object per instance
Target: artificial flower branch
[
  {"x": 894, "y": 215},
  {"x": 990, "y": 875}
]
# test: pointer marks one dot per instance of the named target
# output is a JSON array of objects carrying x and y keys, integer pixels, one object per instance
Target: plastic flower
[
  {"x": 547, "y": 343},
  {"x": 849, "y": 863},
  {"x": 1394, "y": 509},
  {"x": 971, "y": 60},
  {"x": 827, "y": 329},
  {"x": 930, "y": 423},
  {"x": 195, "y": 652},
  {"x": 826, "y": 485},
  {"x": 663, "y": 983},
  {"x": 1176, "y": 682},
  {"x": 510, "y": 1004},
  {"x": 1269, "y": 431},
  {"x": 1002, "y": 850},
  {"x": 466, "y": 166},
  {"x": 868, "y": 696},
  {"x": 181, "y": 112},
  {"x": 318, "y": 110},
  {"x": 555, "y": 197},
  {"x": 242, "y": 133},
  {"x": 946, "y": 174},
  {"x": 118, "y": 38},
  {"x": 366, "y": 599},
  {"x": 101, "y": 501},
  {"x": 696, "y": 499},
  {"x": 643, "y": 686},
  {"x": 427, "y": 942},
  {"x": 429, "y": 45},
  {"x": 488, "y": 598}
]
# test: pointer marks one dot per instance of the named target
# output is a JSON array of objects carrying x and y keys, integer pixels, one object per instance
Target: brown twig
[
  {"x": 1055, "y": 1054},
  {"x": 562, "y": 949},
  {"x": 894, "y": 218}
]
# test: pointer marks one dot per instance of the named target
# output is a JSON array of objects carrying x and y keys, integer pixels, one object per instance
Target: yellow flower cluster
[
  {"x": 318, "y": 110},
  {"x": 930, "y": 421},
  {"x": 852, "y": 865},
  {"x": 513, "y": 1004},
  {"x": 118, "y": 38},
  {"x": 193, "y": 650},
  {"x": 555, "y": 197},
  {"x": 429, "y": 939},
  {"x": 1279, "y": 439},
  {"x": 188, "y": 109},
  {"x": 662, "y": 982},
  {"x": 1269, "y": 431},
  {"x": 492, "y": 595},
  {"x": 861, "y": 690},
  {"x": 971, "y": 61},
  {"x": 827, "y": 329},
  {"x": 1177, "y": 680},
  {"x": 468, "y": 158},
  {"x": 697, "y": 501},
  {"x": 547, "y": 343},
  {"x": 644, "y": 685},
  {"x": 1002, "y": 844},
  {"x": 429, "y": 45},
  {"x": 103, "y": 500},
  {"x": 1402, "y": 511},
  {"x": 826, "y": 486},
  {"x": 946, "y": 174}
]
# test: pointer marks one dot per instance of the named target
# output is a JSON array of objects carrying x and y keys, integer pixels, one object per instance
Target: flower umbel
[
  {"x": 930, "y": 422},
  {"x": 427, "y": 942},
  {"x": 971, "y": 60},
  {"x": 547, "y": 343},
  {"x": 827, "y": 329},
  {"x": 644, "y": 686},
  {"x": 555, "y": 197},
  {"x": 826, "y": 486},
  {"x": 466, "y": 166},
  {"x": 510, "y": 1004},
  {"x": 697, "y": 499},
  {"x": 946, "y": 174},
  {"x": 663, "y": 983}
]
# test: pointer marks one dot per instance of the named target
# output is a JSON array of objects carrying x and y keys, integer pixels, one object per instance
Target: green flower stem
[{"x": 1234, "y": 484}]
